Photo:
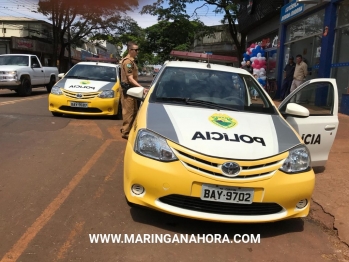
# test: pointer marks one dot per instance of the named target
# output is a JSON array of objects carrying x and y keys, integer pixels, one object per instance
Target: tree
[
  {"x": 82, "y": 19},
  {"x": 166, "y": 36},
  {"x": 177, "y": 8}
]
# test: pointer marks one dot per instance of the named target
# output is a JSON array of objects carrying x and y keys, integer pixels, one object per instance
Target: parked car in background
[
  {"x": 22, "y": 72},
  {"x": 89, "y": 88}
]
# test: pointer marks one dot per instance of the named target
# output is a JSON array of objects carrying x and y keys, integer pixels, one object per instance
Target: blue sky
[{"x": 23, "y": 8}]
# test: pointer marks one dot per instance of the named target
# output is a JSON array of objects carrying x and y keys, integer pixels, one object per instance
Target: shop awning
[
  {"x": 102, "y": 59},
  {"x": 204, "y": 57}
]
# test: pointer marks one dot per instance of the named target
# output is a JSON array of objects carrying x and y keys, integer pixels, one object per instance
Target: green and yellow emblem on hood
[
  {"x": 85, "y": 82},
  {"x": 223, "y": 120}
]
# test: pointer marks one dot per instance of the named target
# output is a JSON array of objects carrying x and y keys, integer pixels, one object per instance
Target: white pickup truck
[{"x": 21, "y": 72}]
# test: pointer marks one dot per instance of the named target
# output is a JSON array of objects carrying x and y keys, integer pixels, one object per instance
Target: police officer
[{"x": 129, "y": 78}]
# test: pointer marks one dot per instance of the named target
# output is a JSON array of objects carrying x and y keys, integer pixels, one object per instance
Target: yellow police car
[
  {"x": 89, "y": 88},
  {"x": 202, "y": 148}
]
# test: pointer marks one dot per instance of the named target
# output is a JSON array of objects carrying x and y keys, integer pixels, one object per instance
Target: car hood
[
  {"x": 10, "y": 67},
  {"x": 222, "y": 133},
  {"x": 84, "y": 86}
]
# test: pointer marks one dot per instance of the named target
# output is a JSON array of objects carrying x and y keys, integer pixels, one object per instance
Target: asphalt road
[{"x": 61, "y": 180}]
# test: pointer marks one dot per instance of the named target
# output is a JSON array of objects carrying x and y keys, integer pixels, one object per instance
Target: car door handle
[
  {"x": 330, "y": 127},
  {"x": 42, "y": 70}
]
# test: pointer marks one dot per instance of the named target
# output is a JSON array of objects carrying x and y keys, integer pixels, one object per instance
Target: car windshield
[
  {"x": 227, "y": 90},
  {"x": 93, "y": 72},
  {"x": 14, "y": 60}
]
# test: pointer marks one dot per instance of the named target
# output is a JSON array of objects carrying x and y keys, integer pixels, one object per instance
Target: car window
[
  {"x": 93, "y": 72},
  {"x": 14, "y": 60},
  {"x": 228, "y": 89},
  {"x": 316, "y": 97},
  {"x": 35, "y": 62}
]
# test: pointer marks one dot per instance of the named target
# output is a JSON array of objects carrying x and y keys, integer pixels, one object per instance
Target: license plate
[
  {"x": 227, "y": 194},
  {"x": 77, "y": 104}
]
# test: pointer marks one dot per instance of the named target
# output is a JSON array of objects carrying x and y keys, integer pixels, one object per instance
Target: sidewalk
[
  {"x": 332, "y": 184},
  {"x": 330, "y": 201}
]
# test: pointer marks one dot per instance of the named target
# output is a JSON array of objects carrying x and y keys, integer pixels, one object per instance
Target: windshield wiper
[
  {"x": 189, "y": 101},
  {"x": 78, "y": 77},
  {"x": 181, "y": 99},
  {"x": 208, "y": 104}
]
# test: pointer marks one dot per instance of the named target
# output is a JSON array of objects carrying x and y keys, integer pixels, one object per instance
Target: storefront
[
  {"x": 43, "y": 51},
  {"x": 259, "y": 20},
  {"x": 320, "y": 33},
  {"x": 340, "y": 61}
]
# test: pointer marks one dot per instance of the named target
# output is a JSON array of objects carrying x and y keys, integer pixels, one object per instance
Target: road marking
[
  {"x": 18, "y": 248},
  {"x": 71, "y": 238},
  {"x": 117, "y": 162},
  {"x": 21, "y": 100},
  {"x": 107, "y": 178},
  {"x": 99, "y": 192}
]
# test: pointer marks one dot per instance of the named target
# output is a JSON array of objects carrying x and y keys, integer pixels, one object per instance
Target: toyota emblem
[
  {"x": 231, "y": 169},
  {"x": 78, "y": 95}
]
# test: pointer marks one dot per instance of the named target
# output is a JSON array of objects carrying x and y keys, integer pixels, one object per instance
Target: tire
[
  {"x": 50, "y": 84},
  {"x": 25, "y": 89},
  {"x": 118, "y": 115},
  {"x": 56, "y": 114}
]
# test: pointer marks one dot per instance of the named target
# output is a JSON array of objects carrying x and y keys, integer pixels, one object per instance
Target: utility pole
[{"x": 69, "y": 50}]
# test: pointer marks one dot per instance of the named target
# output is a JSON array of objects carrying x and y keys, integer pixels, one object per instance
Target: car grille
[
  {"x": 196, "y": 204},
  {"x": 84, "y": 95},
  {"x": 210, "y": 166},
  {"x": 81, "y": 109}
]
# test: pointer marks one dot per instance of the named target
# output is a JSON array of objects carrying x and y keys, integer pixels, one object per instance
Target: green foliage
[
  {"x": 176, "y": 11},
  {"x": 166, "y": 36},
  {"x": 85, "y": 19}
]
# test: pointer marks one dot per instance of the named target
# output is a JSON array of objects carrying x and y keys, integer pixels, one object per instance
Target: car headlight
[
  {"x": 297, "y": 161},
  {"x": 106, "y": 94},
  {"x": 9, "y": 75},
  {"x": 56, "y": 90},
  {"x": 9, "y": 72},
  {"x": 151, "y": 145}
]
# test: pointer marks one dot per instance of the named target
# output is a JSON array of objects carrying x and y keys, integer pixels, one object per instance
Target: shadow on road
[
  {"x": 182, "y": 225},
  {"x": 87, "y": 117},
  {"x": 14, "y": 94},
  {"x": 319, "y": 169}
]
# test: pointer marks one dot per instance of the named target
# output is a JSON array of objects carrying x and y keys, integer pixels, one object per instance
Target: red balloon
[
  {"x": 256, "y": 62},
  {"x": 258, "y": 67},
  {"x": 253, "y": 45}
]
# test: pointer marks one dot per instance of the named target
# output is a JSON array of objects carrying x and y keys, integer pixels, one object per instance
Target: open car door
[{"x": 319, "y": 129}]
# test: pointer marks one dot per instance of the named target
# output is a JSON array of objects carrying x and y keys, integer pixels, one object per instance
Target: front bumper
[
  {"x": 9, "y": 84},
  {"x": 175, "y": 188},
  {"x": 96, "y": 105}
]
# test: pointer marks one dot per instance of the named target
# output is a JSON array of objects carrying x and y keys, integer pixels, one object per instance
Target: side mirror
[
  {"x": 35, "y": 65},
  {"x": 296, "y": 110},
  {"x": 136, "y": 92},
  {"x": 60, "y": 76}
]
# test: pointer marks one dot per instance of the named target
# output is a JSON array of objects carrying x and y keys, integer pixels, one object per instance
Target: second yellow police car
[
  {"x": 201, "y": 148},
  {"x": 89, "y": 88}
]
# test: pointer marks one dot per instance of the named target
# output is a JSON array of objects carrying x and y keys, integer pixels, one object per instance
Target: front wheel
[
  {"x": 50, "y": 84},
  {"x": 118, "y": 116},
  {"x": 25, "y": 88},
  {"x": 56, "y": 114}
]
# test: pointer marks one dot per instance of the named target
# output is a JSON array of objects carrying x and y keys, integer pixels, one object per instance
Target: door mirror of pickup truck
[
  {"x": 60, "y": 76},
  {"x": 35, "y": 65}
]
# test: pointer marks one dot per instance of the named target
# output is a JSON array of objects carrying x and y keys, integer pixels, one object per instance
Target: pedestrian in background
[
  {"x": 300, "y": 73},
  {"x": 248, "y": 67},
  {"x": 288, "y": 78},
  {"x": 129, "y": 79}
]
